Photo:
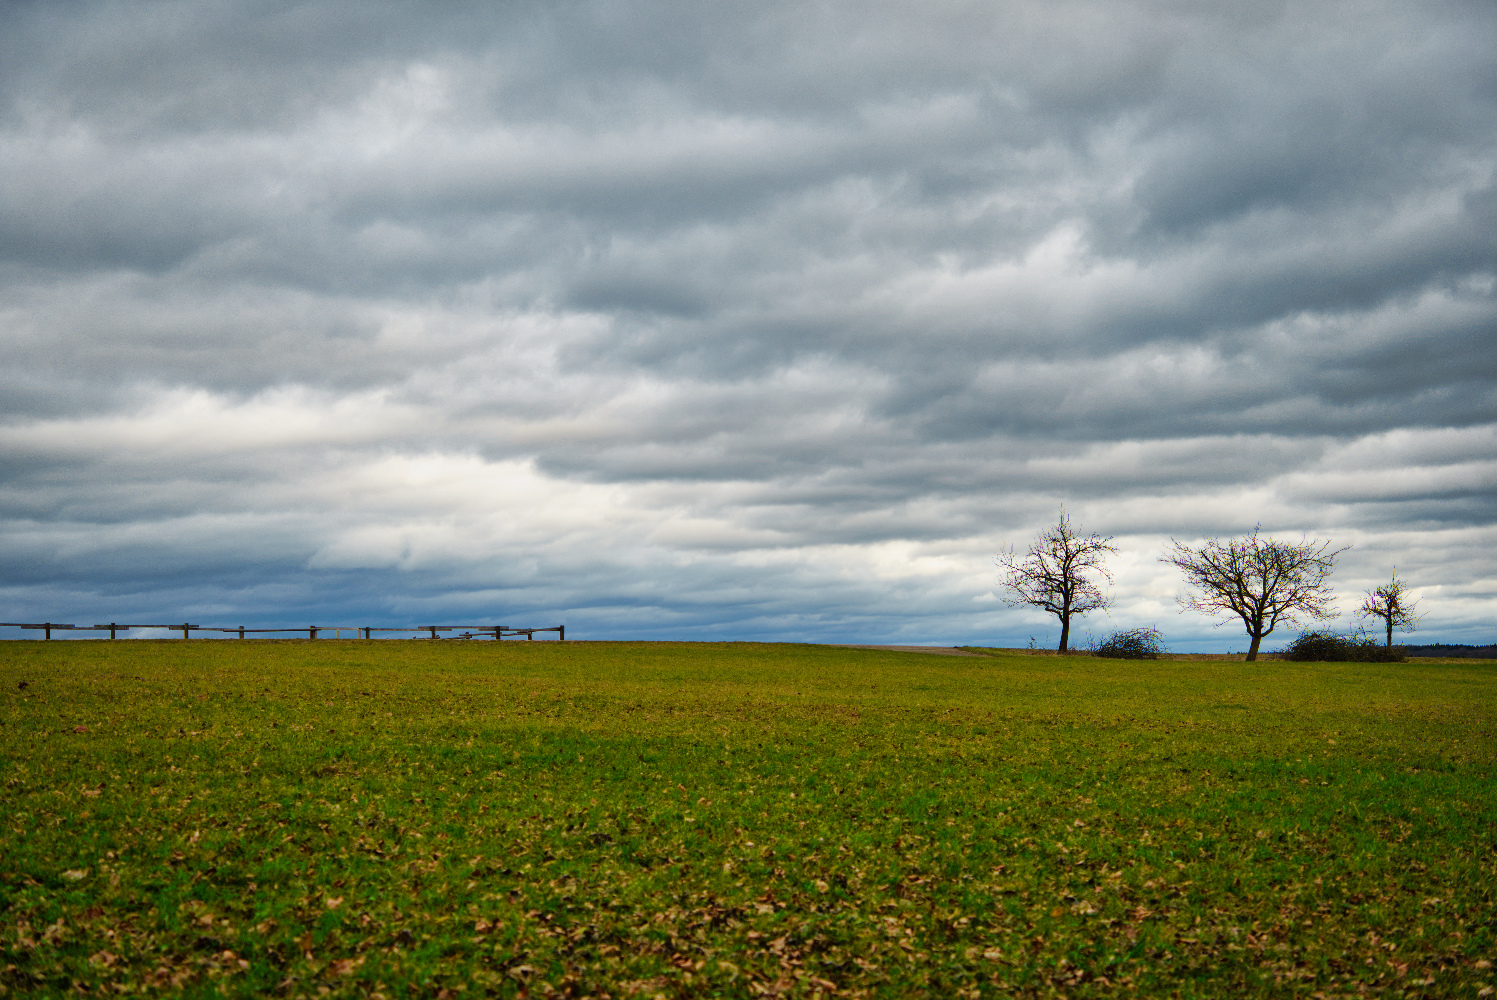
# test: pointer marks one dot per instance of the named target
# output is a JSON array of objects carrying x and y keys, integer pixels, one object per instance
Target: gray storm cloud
[{"x": 773, "y": 320}]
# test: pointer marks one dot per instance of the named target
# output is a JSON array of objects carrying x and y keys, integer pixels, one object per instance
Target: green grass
[{"x": 617, "y": 819}]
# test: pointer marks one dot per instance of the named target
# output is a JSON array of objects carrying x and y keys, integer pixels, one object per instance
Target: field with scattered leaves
[{"x": 698, "y": 820}]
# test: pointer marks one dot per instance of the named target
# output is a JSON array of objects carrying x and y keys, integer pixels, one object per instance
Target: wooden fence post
[{"x": 313, "y": 631}]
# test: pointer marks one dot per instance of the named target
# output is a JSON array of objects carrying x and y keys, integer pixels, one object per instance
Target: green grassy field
[{"x": 650, "y": 819}]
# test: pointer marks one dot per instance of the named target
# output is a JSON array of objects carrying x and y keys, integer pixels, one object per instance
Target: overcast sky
[{"x": 769, "y": 320}]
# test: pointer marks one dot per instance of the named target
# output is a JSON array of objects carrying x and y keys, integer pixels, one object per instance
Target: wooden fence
[{"x": 361, "y": 631}]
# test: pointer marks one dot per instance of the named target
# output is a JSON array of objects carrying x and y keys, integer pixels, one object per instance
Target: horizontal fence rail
[{"x": 362, "y": 631}]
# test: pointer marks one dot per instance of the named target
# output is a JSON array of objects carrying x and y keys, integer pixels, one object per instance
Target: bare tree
[
  {"x": 1053, "y": 574},
  {"x": 1262, "y": 581},
  {"x": 1392, "y": 604}
]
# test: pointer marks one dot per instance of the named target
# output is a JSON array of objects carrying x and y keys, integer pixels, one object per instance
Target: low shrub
[
  {"x": 1133, "y": 644},
  {"x": 1328, "y": 647}
]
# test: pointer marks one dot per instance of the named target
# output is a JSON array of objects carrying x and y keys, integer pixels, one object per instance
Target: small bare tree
[
  {"x": 1392, "y": 604},
  {"x": 1262, "y": 581},
  {"x": 1052, "y": 575}
]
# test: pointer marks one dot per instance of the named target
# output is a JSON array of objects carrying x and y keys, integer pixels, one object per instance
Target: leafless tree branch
[
  {"x": 1052, "y": 575},
  {"x": 1264, "y": 582},
  {"x": 1392, "y": 604}
]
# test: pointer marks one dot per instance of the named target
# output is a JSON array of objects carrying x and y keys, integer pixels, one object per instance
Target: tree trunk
[
  {"x": 1390, "y": 631},
  {"x": 1065, "y": 633},
  {"x": 1253, "y": 649}
]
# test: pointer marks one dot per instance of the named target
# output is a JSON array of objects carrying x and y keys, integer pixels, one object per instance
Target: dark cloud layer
[{"x": 742, "y": 320}]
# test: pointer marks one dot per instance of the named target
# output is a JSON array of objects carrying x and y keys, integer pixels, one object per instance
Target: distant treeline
[{"x": 1441, "y": 649}]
